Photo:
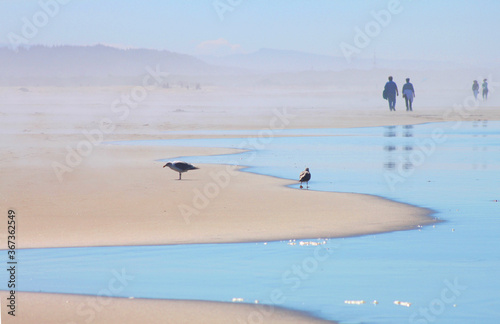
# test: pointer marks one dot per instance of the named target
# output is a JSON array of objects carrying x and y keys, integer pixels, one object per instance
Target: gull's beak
[{"x": 165, "y": 165}]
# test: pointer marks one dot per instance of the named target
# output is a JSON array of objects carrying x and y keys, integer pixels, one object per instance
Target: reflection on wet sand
[{"x": 397, "y": 152}]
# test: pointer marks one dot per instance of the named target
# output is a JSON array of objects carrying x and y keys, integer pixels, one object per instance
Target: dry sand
[{"x": 119, "y": 195}]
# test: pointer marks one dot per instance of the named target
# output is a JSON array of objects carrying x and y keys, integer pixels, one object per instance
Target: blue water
[{"x": 450, "y": 272}]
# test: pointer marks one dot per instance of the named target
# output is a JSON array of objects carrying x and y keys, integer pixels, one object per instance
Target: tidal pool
[{"x": 448, "y": 272}]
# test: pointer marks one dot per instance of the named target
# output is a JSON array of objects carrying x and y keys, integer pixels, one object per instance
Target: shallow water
[{"x": 448, "y": 272}]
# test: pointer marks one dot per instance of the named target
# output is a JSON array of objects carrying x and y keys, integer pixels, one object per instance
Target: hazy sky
[{"x": 448, "y": 30}]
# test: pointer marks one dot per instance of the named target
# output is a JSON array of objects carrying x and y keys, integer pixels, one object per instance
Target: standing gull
[
  {"x": 180, "y": 167},
  {"x": 305, "y": 176}
]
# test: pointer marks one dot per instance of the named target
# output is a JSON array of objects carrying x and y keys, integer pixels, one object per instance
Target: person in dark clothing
[
  {"x": 391, "y": 91},
  {"x": 408, "y": 94},
  {"x": 475, "y": 89}
]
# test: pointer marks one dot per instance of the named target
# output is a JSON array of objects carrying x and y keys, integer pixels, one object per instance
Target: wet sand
[
  {"x": 119, "y": 195},
  {"x": 35, "y": 308}
]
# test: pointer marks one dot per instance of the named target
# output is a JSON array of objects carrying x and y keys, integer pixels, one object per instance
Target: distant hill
[
  {"x": 101, "y": 65},
  {"x": 96, "y": 61},
  {"x": 272, "y": 60}
]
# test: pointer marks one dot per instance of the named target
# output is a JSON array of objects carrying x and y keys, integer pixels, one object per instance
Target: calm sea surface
[{"x": 450, "y": 272}]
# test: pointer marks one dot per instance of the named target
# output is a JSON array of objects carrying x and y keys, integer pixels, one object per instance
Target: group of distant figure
[
  {"x": 391, "y": 91},
  {"x": 475, "y": 89}
]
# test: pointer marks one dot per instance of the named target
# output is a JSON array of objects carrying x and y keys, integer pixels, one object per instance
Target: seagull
[
  {"x": 305, "y": 176},
  {"x": 180, "y": 167}
]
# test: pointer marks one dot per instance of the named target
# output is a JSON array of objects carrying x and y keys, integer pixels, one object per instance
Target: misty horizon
[{"x": 457, "y": 32}]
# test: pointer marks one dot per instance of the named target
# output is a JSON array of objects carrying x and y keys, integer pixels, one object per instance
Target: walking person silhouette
[
  {"x": 475, "y": 89},
  {"x": 390, "y": 92},
  {"x": 485, "y": 89},
  {"x": 408, "y": 94}
]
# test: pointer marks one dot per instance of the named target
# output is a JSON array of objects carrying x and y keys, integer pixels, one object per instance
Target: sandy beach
[
  {"x": 394, "y": 106},
  {"x": 121, "y": 195},
  {"x": 66, "y": 309}
]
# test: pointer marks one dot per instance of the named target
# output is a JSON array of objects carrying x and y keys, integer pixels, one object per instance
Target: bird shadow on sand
[{"x": 177, "y": 179}]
